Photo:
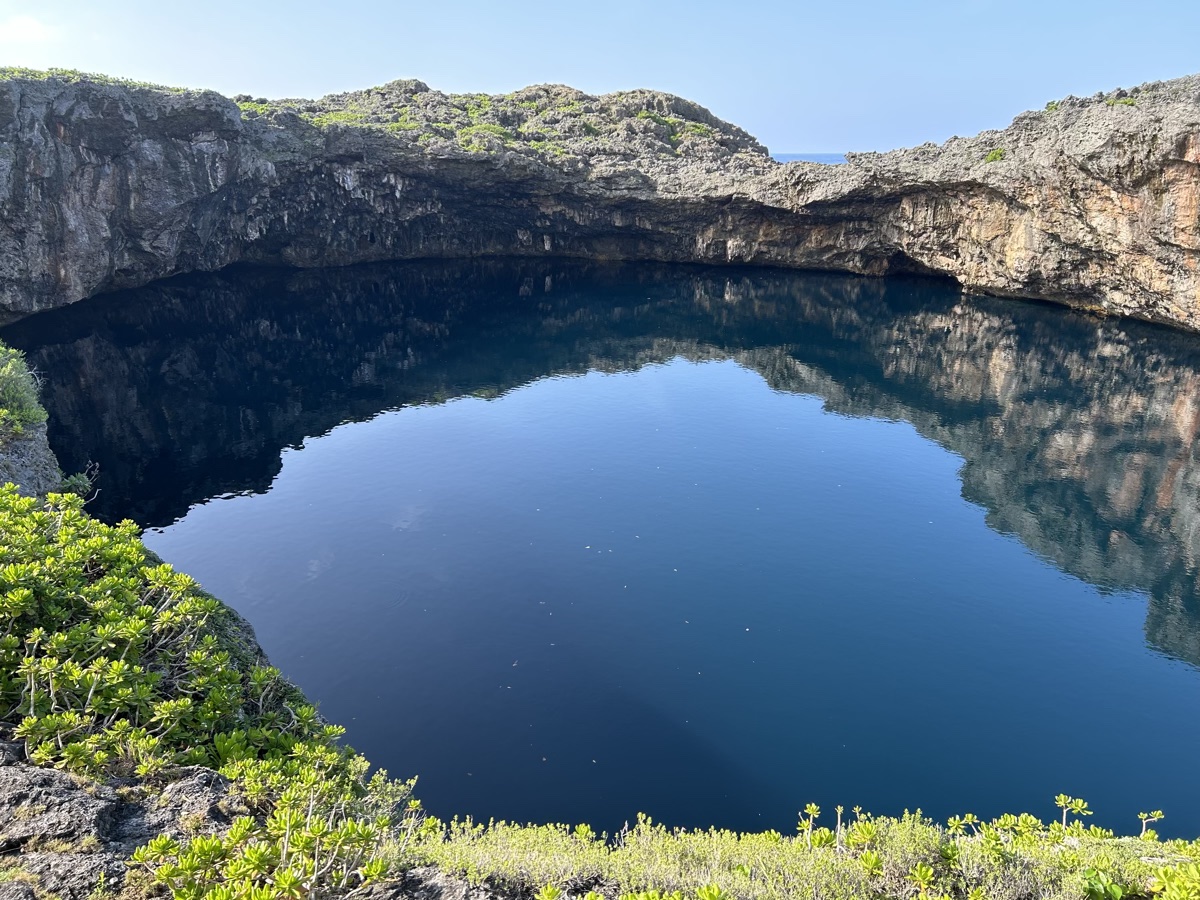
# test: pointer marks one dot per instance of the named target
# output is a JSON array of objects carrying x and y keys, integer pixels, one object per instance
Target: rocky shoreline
[{"x": 104, "y": 185}]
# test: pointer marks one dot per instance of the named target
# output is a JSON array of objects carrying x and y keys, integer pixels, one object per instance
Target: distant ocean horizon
[{"x": 830, "y": 158}]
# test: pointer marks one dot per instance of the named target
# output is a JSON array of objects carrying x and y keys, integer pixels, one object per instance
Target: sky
[{"x": 802, "y": 77}]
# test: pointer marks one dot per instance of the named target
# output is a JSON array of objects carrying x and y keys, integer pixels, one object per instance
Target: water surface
[{"x": 573, "y": 542}]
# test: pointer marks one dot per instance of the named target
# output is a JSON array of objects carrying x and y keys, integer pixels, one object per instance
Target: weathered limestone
[{"x": 1095, "y": 203}]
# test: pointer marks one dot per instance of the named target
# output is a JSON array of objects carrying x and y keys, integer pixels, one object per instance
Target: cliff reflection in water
[{"x": 1079, "y": 436}]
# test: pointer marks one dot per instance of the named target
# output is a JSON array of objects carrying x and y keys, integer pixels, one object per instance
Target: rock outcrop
[
  {"x": 71, "y": 838},
  {"x": 27, "y": 461},
  {"x": 104, "y": 185}
]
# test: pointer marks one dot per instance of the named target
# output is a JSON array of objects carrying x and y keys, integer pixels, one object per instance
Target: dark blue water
[{"x": 575, "y": 543}]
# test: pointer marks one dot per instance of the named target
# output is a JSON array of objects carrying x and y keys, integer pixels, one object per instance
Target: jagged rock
[
  {"x": 429, "y": 883},
  {"x": 17, "y": 890},
  {"x": 103, "y": 185},
  {"x": 73, "y": 875},
  {"x": 67, "y": 836},
  {"x": 63, "y": 833},
  {"x": 28, "y": 462}
]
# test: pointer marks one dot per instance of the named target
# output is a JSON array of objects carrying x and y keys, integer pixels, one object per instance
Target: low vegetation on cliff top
[
  {"x": 550, "y": 122},
  {"x": 545, "y": 120},
  {"x": 858, "y": 855},
  {"x": 74, "y": 76}
]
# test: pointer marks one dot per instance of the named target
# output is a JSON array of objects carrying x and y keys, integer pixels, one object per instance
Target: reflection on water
[{"x": 1077, "y": 436}]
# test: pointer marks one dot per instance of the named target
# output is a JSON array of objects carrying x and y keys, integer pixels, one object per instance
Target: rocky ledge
[
  {"x": 28, "y": 462},
  {"x": 107, "y": 184},
  {"x": 69, "y": 838}
]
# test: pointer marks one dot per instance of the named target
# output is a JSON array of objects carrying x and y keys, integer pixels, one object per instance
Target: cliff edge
[{"x": 107, "y": 184}]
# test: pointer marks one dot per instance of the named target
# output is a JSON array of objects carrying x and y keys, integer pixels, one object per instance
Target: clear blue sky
[{"x": 864, "y": 75}]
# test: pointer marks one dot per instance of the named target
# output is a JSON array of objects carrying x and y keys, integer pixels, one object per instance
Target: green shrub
[
  {"x": 115, "y": 664},
  {"x": 112, "y": 664},
  {"x": 1178, "y": 882},
  {"x": 485, "y": 128},
  {"x": 19, "y": 405},
  {"x": 323, "y": 830},
  {"x": 80, "y": 484},
  {"x": 1009, "y": 858},
  {"x": 674, "y": 126},
  {"x": 477, "y": 105},
  {"x": 255, "y": 107},
  {"x": 995, "y": 156}
]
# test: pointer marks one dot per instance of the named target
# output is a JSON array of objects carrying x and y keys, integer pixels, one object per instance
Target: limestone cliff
[{"x": 106, "y": 184}]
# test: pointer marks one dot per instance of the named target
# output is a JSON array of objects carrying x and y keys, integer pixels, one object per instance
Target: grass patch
[
  {"x": 477, "y": 105},
  {"x": 995, "y": 155},
  {"x": 254, "y": 107},
  {"x": 13, "y": 872},
  {"x": 472, "y": 137},
  {"x": 1011, "y": 858},
  {"x": 671, "y": 125},
  {"x": 19, "y": 405},
  {"x": 1121, "y": 101}
]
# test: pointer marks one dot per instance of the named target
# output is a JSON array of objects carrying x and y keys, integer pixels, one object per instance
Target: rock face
[
  {"x": 104, "y": 185},
  {"x": 28, "y": 462},
  {"x": 70, "y": 838}
]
